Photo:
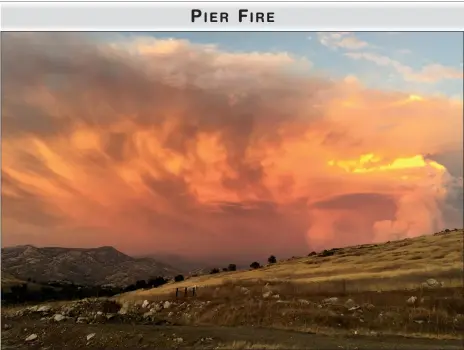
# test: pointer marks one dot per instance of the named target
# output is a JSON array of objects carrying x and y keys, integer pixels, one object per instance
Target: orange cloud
[{"x": 163, "y": 145}]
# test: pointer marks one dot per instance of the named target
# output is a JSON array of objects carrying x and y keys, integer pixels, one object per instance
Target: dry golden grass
[
  {"x": 379, "y": 278},
  {"x": 394, "y": 265},
  {"x": 439, "y": 313}
]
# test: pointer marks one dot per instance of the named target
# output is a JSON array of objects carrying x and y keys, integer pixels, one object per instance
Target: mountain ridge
[{"x": 100, "y": 265}]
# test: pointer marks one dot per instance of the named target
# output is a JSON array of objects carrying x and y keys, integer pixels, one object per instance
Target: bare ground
[{"x": 70, "y": 335}]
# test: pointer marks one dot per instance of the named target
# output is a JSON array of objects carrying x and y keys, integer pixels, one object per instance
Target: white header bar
[{"x": 233, "y": 16}]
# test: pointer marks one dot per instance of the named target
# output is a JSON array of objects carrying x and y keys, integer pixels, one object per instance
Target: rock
[
  {"x": 32, "y": 337},
  {"x": 147, "y": 314},
  {"x": 166, "y": 305},
  {"x": 355, "y": 308},
  {"x": 412, "y": 300},
  {"x": 90, "y": 336},
  {"x": 44, "y": 308},
  {"x": 368, "y": 306},
  {"x": 6, "y": 326},
  {"x": 170, "y": 314},
  {"x": 59, "y": 318},
  {"x": 82, "y": 319},
  {"x": 124, "y": 309},
  {"x": 303, "y": 301},
  {"x": 245, "y": 290},
  {"x": 145, "y": 304},
  {"x": 266, "y": 295},
  {"x": 419, "y": 321},
  {"x": 99, "y": 313},
  {"x": 331, "y": 301},
  {"x": 432, "y": 282},
  {"x": 178, "y": 340},
  {"x": 109, "y": 316},
  {"x": 276, "y": 296},
  {"x": 350, "y": 303}
]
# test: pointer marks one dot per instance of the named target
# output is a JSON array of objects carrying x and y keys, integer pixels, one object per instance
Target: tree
[
  {"x": 272, "y": 259},
  {"x": 140, "y": 284},
  {"x": 178, "y": 278},
  {"x": 157, "y": 281},
  {"x": 224, "y": 269},
  {"x": 255, "y": 265},
  {"x": 215, "y": 270},
  {"x": 312, "y": 253},
  {"x": 232, "y": 267}
]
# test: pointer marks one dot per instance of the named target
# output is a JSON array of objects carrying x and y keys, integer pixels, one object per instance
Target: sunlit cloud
[{"x": 163, "y": 145}]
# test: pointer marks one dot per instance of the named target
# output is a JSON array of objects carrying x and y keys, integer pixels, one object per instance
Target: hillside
[
  {"x": 104, "y": 265},
  {"x": 396, "y": 264}
]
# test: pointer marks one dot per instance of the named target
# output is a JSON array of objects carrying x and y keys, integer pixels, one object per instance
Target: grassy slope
[{"x": 394, "y": 265}]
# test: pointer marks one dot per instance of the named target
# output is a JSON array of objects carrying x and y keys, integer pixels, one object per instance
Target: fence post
[
  {"x": 177, "y": 292},
  {"x": 193, "y": 291},
  {"x": 344, "y": 287},
  {"x": 185, "y": 292}
]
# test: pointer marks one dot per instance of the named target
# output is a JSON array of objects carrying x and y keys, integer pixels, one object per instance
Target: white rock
[
  {"x": 44, "y": 308},
  {"x": 166, "y": 305},
  {"x": 32, "y": 337},
  {"x": 145, "y": 304},
  {"x": 332, "y": 300},
  {"x": 82, "y": 320},
  {"x": 411, "y": 301},
  {"x": 90, "y": 336},
  {"x": 432, "y": 282},
  {"x": 349, "y": 303},
  {"x": 245, "y": 290},
  {"x": 58, "y": 318},
  {"x": 303, "y": 301},
  {"x": 178, "y": 340},
  {"x": 276, "y": 296},
  {"x": 266, "y": 295},
  {"x": 99, "y": 313}
]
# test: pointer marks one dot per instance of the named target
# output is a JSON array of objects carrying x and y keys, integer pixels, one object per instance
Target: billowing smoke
[{"x": 162, "y": 145}]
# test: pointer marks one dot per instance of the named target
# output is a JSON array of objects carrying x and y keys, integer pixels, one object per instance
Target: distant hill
[{"x": 104, "y": 265}]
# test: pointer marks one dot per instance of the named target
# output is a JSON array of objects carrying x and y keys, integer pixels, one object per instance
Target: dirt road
[{"x": 70, "y": 335}]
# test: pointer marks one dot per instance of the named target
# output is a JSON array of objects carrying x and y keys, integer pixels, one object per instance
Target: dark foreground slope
[{"x": 119, "y": 336}]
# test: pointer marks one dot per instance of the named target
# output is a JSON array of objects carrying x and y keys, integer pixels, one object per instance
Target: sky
[{"x": 230, "y": 145}]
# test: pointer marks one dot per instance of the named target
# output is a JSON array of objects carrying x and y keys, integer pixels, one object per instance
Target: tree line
[{"x": 34, "y": 291}]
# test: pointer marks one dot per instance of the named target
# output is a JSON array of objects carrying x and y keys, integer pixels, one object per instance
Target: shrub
[
  {"x": 179, "y": 278},
  {"x": 215, "y": 270},
  {"x": 232, "y": 267},
  {"x": 255, "y": 265},
  {"x": 327, "y": 253},
  {"x": 272, "y": 259}
]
